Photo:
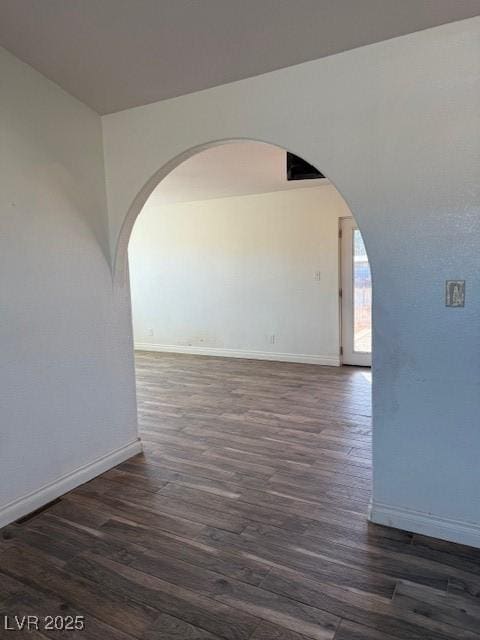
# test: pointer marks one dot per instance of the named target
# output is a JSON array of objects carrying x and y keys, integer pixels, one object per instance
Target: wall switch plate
[{"x": 455, "y": 293}]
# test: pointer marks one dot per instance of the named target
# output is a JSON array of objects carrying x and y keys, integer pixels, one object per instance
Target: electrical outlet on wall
[
  {"x": 272, "y": 338},
  {"x": 150, "y": 332},
  {"x": 317, "y": 276}
]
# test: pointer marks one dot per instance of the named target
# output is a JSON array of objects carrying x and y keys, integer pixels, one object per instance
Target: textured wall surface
[
  {"x": 66, "y": 375},
  {"x": 396, "y": 127}
]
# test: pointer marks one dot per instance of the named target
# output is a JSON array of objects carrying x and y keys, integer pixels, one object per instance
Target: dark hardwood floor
[{"x": 244, "y": 519}]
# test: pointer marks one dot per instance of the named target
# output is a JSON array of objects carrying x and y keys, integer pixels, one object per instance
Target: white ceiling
[
  {"x": 115, "y": 54},
  {"x": 233, "y": 169}
]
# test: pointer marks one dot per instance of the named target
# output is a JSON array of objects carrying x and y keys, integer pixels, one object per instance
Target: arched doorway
[
  {"x": 246, "y": 168},
  {"x": 349, "y": 412}
]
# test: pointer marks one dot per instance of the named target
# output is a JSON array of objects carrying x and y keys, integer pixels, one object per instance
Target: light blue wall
[{"x": 396, "y": 127}]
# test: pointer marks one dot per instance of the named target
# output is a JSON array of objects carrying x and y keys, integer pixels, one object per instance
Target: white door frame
[{"x": 348, "y": 354}]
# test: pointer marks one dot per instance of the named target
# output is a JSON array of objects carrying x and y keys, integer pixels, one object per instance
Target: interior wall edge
[
  {"x": 428, "y": 524},
  {"x": 26, "y": 504},
  {"x": 325, "y": 360}
]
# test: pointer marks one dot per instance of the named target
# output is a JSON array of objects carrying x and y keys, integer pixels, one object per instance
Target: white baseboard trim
[
  {"x": 331, "y": 361},
  {"x": 466, "y": 533},
  {"x": 33, "y": 501}
]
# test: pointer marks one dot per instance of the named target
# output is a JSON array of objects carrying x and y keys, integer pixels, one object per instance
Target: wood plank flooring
[{"x": 244, "y": 519}]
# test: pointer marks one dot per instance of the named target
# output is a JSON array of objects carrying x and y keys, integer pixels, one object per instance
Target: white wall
[
  {"x": 222, "y": 276},
  {"x": 396, "y": 127},
  {"x": 66, "y": 382}
]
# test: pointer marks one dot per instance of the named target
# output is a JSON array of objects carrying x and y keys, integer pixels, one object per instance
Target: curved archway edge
[
  {"x": 120, "y": 250},
  {"x": 369, "y": 119}
]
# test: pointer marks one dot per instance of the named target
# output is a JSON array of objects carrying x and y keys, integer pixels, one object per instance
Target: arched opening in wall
[{"x": 249, "y": 277}]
